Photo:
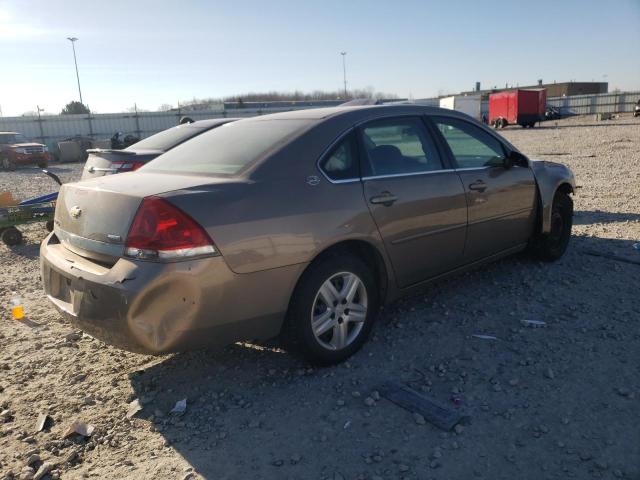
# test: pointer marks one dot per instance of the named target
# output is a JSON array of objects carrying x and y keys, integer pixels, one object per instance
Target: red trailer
[{"x": 522, "y": 107}]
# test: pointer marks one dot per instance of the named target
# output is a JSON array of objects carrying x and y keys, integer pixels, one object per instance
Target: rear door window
[{"x": 399, "y": 146}]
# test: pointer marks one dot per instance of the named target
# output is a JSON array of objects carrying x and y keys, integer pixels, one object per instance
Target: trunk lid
[
  {"x": 100, "y": 161},
  {"x": 93, "y": 217}
]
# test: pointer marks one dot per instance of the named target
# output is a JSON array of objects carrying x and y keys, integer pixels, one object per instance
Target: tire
[
  {"x": 43, "y": 164},
  {"x": 339, "y": 333},
  {"x": 11, "y": 236},
  {"x": 49, "y": 225},
  {"x": 551, "y": 246}
]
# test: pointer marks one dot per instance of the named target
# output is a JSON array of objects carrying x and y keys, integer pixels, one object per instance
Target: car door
[
  {"x": 500, "y": 198},
  {"x": 415, "y": 198}
]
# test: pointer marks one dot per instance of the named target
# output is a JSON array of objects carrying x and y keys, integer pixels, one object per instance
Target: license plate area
[{"x": 59, "y": 286}]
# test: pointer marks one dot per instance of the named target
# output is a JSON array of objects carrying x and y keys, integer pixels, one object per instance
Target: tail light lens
[
  {"x": 162, "y": 231},
  {"x": 126, "y": 166}
]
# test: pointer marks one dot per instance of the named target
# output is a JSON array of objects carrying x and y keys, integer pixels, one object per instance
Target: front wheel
[
  {"x": 551, "y": 246},
  {"x": 332, "y": 310}
]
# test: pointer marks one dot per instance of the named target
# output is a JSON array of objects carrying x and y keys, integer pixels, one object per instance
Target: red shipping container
[{"x": 522, "y": 107}]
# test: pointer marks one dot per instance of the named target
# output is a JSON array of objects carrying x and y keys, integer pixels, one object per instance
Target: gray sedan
[
  {"x": 298, "y": 224},
  {"x": 108, "y": 161}
]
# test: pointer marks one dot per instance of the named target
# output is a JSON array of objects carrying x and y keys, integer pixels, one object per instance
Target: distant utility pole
[
  {"x": 344, "y": 72},
  {"x": 73, "y": 41},
  {"x": 38, "y": 109}
]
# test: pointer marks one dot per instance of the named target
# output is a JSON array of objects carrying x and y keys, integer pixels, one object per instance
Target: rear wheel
[
  {"x": 11, "y": 236},
  {"x": 551, "y": 246},
  {"x": 332, "y": 310}
]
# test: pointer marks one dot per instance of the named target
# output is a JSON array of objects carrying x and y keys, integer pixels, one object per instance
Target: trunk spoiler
[{"x": 98, "y": 151}]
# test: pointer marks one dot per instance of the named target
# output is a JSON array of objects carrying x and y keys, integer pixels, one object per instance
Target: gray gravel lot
[{"x": 562, "y": 401}]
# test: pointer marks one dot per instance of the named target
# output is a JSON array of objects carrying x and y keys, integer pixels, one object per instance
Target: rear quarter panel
[
  {"x": 271, "y": 224},
  {"x": 276, "y": 216}
]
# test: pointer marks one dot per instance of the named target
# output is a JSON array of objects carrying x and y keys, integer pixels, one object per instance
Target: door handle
[
  {"x": 386, "y": 198},
  {"x": 478, "y": 186}
]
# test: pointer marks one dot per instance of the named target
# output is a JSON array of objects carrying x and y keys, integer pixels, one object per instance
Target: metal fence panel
[{"x": 591, "y": 104}]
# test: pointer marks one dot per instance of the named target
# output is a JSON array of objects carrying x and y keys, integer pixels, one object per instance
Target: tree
[
  {"x": 75, "y": 107},
  {"x": 136, "y": 109},
  {"x": 165, "y": 107}
]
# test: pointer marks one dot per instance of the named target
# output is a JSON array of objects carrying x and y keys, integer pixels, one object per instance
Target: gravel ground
[{"x": 553, "y": 402}]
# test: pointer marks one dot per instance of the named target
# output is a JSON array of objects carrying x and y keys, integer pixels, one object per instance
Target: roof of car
[
  {"x": 211, "y": 122},
  {"x": 323, "y": 113}
]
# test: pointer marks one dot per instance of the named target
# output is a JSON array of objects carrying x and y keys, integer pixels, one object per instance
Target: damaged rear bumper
[{"x": 156, "y": 308}]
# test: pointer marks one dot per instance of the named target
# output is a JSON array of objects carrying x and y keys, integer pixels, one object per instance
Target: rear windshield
[
  {"x": 9, "y": 138},
  {"x": 228, "y": 149},
  {"x": 167, "y": 139}
]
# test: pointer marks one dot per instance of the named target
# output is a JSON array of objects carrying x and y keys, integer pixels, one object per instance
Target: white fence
[
  {"x": 589, "y": 104},
  {"x": 603, "y": 103},
  {"x": 50, "y": 129},
  {"x": 53, "y": 128}
]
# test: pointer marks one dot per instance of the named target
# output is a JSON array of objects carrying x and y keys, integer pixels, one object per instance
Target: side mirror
[{"x": 515, "y": 158}]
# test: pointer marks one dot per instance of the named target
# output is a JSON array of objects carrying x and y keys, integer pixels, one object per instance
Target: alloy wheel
[{"x": 339, "y": 311}]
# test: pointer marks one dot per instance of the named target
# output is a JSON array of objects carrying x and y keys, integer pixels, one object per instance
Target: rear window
[
  {"x": 9, "y": 138},
  {"x": 167, "y": 139},
  {"x": 228, "y": 149}
]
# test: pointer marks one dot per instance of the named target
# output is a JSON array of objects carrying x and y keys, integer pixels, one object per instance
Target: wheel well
[
  {"x": 368, "y": 254},
  {"x": 565, "y": 188}
]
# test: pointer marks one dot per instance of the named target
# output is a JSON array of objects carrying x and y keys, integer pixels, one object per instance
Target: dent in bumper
[{"x": 158, "y": 308}]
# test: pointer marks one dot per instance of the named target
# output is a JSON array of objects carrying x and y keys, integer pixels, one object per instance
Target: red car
[{"x": 17, "y": 151}]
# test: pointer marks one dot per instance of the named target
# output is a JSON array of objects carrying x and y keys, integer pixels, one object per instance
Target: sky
[{"x": 165, "y": 51}]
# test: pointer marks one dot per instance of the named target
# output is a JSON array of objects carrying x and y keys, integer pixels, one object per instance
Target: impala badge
[
  {"x": 75, "y": 211},
  {"x": 313, "y": 180}
]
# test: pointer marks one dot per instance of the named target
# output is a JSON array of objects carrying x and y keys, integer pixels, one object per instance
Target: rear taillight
[
  {"x": 121, "y": 167},
  {"x": 163, "y": 231}
]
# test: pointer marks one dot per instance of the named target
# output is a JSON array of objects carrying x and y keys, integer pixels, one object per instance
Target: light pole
[
  {"x": 344, "y": 72},
  {"x": 73, "y": 40}
]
